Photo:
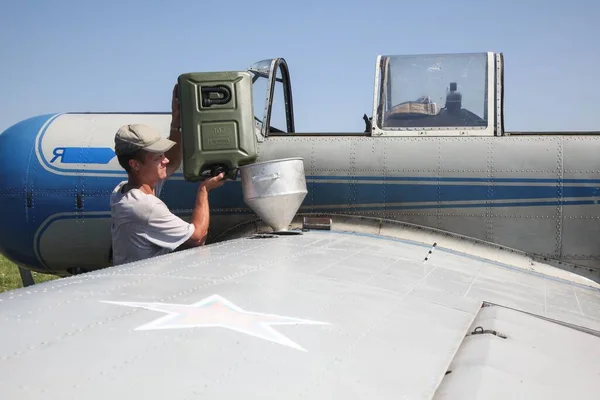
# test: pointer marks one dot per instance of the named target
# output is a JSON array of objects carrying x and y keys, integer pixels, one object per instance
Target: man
[{"x": 142, "y": 225}]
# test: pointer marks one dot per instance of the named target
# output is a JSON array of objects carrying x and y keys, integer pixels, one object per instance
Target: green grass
[{"x": 11, "y": 279}]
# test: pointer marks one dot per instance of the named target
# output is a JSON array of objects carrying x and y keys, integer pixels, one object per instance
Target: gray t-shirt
[{"x": 143, "y": 226}]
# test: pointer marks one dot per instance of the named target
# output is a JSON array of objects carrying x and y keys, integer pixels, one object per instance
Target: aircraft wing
[{"x": 384, "y": 311}]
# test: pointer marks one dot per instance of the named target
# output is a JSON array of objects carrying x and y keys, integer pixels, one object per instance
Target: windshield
[
  {"x": 260, "y": 87},
  {"x": 426, "y": 91},
  {"x": 261, "y": 69}
]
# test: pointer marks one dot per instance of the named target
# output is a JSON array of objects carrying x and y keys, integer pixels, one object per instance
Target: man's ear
[{"x": 134, "y": 164}]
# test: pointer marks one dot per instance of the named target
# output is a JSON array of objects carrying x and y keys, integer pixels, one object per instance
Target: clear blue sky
[{"x": 68, "y": 55}]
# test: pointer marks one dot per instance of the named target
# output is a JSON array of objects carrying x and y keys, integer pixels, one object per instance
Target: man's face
[{"x": 154, "y": 167}]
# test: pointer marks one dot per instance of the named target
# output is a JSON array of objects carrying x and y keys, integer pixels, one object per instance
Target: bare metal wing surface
[{"x": 383, "y": 312}]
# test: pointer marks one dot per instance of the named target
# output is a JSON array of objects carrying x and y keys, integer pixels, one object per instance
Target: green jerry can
[{"x": 217, "y": 123}]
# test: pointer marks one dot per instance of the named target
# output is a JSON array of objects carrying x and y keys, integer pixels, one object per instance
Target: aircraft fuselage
[{"x": 536, "y": 193}]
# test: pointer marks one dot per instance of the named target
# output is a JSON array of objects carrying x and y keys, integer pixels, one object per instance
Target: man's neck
[{"x": 145, "y": 187}]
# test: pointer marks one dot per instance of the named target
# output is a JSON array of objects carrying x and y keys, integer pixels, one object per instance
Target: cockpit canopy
[
  {"x": 414, "y": 95},
  {"x": 436, "y": 94},
  {"x": 272, "y": 97}
]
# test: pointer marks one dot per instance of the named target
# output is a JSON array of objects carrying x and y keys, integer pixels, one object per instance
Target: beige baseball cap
[{"x": 130, "y": 138}]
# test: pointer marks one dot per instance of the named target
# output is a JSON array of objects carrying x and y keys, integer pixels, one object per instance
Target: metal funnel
[{"x": 274, "y": 190}]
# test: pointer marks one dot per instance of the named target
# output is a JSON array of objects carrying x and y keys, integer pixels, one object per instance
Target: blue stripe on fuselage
[{"x": 181, "y": 194}]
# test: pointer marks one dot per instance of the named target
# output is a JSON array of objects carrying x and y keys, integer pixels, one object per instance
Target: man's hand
[
  {"x": 175, "y": 118},
  {"x": 174, "y": 154},
  {"x": 214, "y": 182}
]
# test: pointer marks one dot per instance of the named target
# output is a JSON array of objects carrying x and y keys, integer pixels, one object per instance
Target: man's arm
[
  {"x": 174, "y": 154},
  {"x": 201, "y": 215}
]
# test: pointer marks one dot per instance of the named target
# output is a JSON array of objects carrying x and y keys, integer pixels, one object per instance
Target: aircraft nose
[{"x": 17, "y": 225}]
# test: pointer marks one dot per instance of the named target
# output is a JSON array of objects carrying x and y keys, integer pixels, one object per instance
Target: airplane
[
  {"x": 291, "y": 304},
  {"x": 434, "y": 153}
]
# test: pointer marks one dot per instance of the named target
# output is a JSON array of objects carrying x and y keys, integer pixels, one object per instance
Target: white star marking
[{"x": 215, "y": 311}]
